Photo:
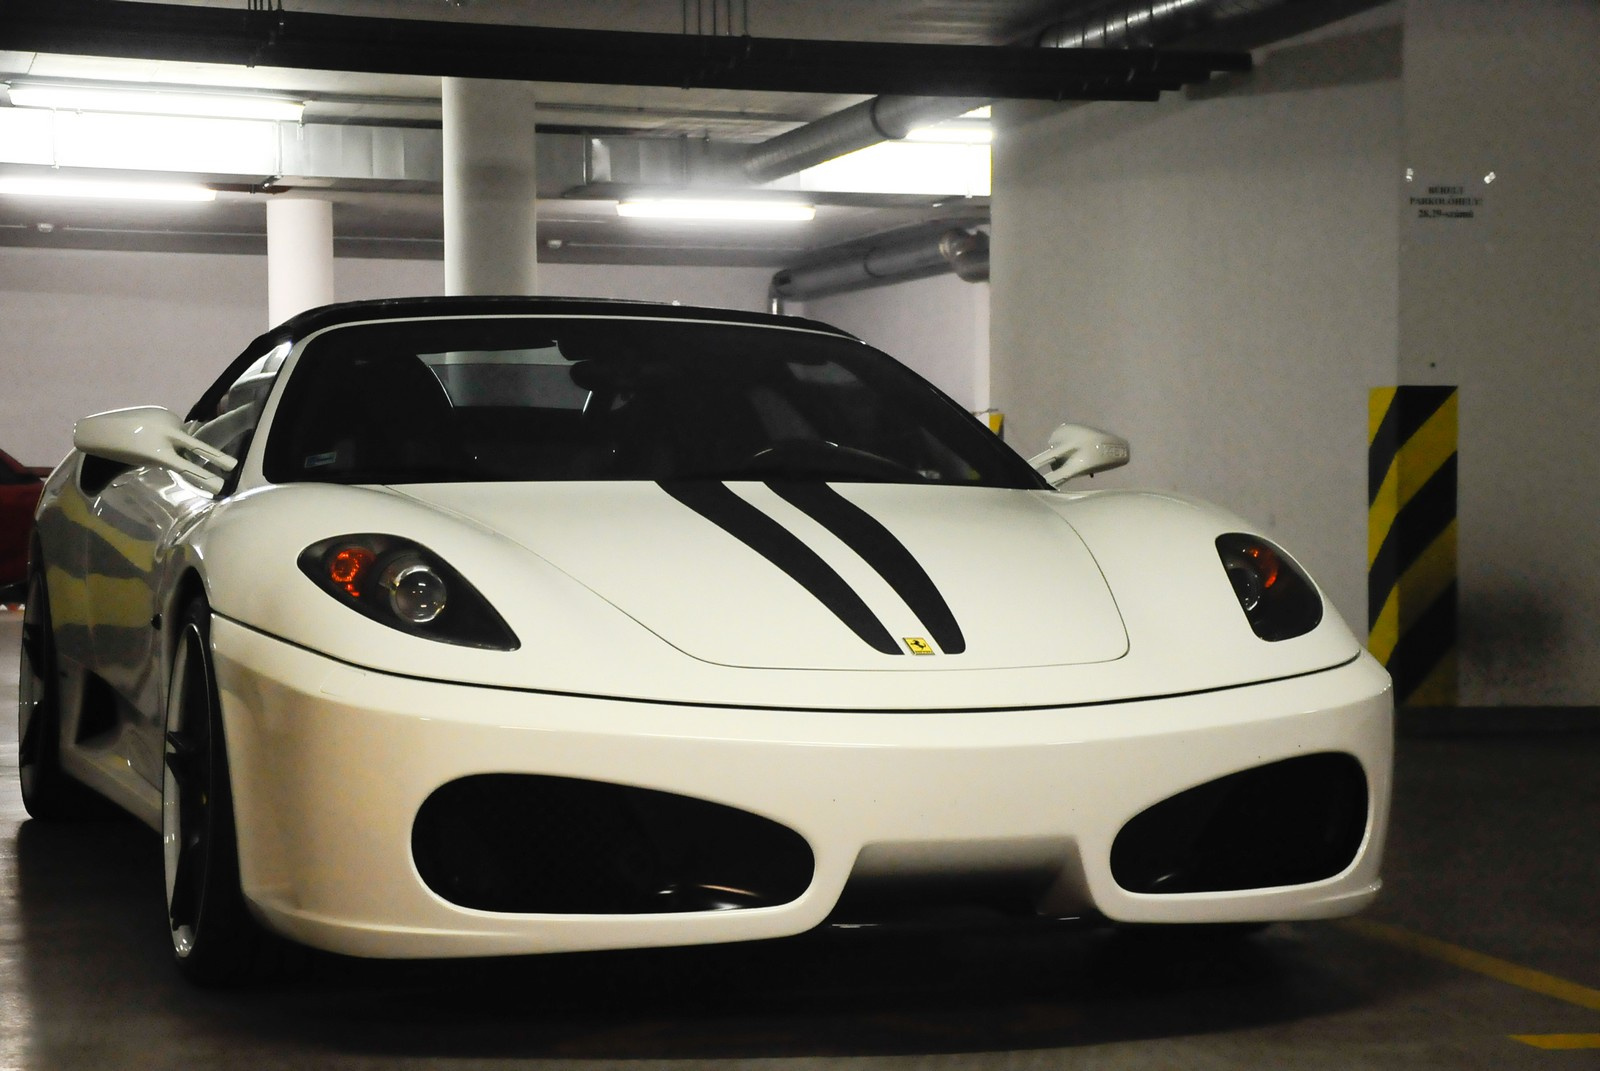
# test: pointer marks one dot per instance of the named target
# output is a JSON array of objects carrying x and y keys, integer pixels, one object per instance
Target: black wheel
[
  {"x": 215, "y": 940},
  {"x": 47, "y": 791}
]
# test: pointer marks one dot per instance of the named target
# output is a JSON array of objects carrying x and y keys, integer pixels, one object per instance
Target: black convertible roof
[
  {"x": 405, "y": 308},
  {"x": 408, "y": 307}
]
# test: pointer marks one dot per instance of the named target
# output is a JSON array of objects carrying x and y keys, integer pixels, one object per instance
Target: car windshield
[{"x": 623, "y": 398}]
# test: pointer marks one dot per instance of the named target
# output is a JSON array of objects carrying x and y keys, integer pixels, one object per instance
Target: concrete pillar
[
  {"x": 299, "y": 256},
  {"x": 1499, "y": 220},
  {"x": 490, "y": 187}
]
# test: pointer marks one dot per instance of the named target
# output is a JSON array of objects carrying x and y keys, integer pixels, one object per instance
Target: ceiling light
[
  {"x": 956, "y": 132},
  {"x": 901, "y": 167},
  {"x": 104, "y": 189},
  {"x": 752, "y": 211},
  {"x": 155, "y": 102}
]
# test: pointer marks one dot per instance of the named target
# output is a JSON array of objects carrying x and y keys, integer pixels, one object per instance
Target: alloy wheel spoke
[
  {"x": 30, "y": 644},
  {"x": 28, "y": 745},
  {"x": 186, "y": 758},
  {"x": 31, "y": 686},
  {"x": 183, "y": 759},
  {"x": 186, "y": 882}
]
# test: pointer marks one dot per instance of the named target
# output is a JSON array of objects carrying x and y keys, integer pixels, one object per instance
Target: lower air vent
[
  {"x": 554, "y": 845},
  {"x": 1286, "y": 823}
]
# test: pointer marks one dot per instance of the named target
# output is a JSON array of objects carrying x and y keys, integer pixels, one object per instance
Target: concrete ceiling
[{"x": 405, "y": 219}]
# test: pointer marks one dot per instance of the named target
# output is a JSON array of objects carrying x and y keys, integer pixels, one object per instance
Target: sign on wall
[{"x": 1458, "y": 200}]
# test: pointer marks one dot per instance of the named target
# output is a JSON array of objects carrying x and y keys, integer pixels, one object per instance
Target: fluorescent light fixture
[
  {"x": 155, "y": 102},
  {"x": 956, "y": 132},
  {"x": 103, "y": 189},
  {"x": 968, "y": 128},
  {"x": 685, "y": 208},
  {"x": 900, "y": 167}
]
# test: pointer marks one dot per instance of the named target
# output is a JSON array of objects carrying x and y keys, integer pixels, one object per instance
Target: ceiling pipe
[
  {"x": 894, "y": 260},
  {"x": 1151, "y": 24},
  {"x": 1126, "y": 24},
  {"x": 967, "y": 253},
  {"x": 272, "y": 37},
  {"x": 858, "y": 126},
  {"x": 916, "y": 84}
]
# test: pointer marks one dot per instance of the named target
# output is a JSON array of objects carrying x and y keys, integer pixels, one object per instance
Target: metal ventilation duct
[
  {"x": 861, "y": 125},
  {"x": 968, "y": 254},
  {"x": 894, "y": 260},
  {"x": 1123, "y": 25},
  {"x": 1151, "y": 24},
  {"x": 272, "y": 37}
]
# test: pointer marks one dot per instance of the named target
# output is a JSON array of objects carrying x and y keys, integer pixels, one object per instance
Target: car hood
[
  {"x": 651, "y": 592},
  {"x": 813, "y": 576}
]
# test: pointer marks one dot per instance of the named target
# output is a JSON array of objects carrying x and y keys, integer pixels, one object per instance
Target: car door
[
  {"x": 136, "y": 521},
  {"x": 130, "y": 521}
]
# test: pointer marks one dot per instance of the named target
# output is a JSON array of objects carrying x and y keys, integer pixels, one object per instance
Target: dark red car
[{"x": 19, "y": 494}]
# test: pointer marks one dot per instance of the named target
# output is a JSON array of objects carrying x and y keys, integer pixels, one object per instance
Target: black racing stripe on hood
[
  {"x": 878, "y": 547},
  {"x": 718, "y": 504}
]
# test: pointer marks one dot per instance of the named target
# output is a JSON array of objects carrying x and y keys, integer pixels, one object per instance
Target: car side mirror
[
  {"x": 150, "y": 435},
  {"x": 1076, "y": 450}
]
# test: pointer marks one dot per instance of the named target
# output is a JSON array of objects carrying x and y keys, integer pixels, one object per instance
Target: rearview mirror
[
  {"x": 150, "y": 435},
  {"x": 1076, "y": 450}
]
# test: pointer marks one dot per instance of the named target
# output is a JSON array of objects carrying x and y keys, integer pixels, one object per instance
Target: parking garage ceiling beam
[{"x": 317, "y": 41}]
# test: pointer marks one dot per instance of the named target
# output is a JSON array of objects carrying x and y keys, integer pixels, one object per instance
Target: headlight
[
  {"x": 403, "y": 585},
  {"x": 1276, "y": 597},
  {"x": 417, "y": 593}
]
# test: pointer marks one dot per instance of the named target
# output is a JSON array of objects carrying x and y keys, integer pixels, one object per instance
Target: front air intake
[
  {"x": 556, "y": 845},
  {"x": 1286, "y": 823}
]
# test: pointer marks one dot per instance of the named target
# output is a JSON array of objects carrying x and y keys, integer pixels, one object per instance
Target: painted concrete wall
[
  {"x": 87, "y": 331},
  {"x": 1215, "y": 278},
  {"x": 1223, "y": 277},
  {"x": 1506, "y": 305},
  {"x": 938, "y": 326}
]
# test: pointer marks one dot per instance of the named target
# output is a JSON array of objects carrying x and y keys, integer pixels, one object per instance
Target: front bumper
[{"x": 330, "y": 765}]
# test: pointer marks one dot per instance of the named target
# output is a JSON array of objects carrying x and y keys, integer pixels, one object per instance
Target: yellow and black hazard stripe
[{"x": 1411, "y": 540}]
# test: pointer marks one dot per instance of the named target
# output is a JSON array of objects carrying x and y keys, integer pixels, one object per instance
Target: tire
[
  {"x": 48, "y": 793},
  {"x": 216, "y": 942}
]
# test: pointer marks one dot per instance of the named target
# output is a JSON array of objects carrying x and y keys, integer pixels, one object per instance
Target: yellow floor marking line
[
  {"x": 1499, "y": 969},
  {"x": 1559, "y": 1041},
  {"x": 1492, "y": 967}
]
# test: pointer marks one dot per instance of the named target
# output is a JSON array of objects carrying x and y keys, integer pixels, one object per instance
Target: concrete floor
[{"x": 1488, "y": 931}]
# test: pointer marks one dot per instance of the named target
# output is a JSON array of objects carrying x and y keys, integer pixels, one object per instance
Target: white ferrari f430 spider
[{"x": 479, "y": 626}]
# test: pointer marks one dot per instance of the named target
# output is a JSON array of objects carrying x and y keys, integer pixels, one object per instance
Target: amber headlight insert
[{"x": 1277, "y": 598}]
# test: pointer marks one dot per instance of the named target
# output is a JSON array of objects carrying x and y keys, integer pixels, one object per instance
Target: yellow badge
[{"x": 918, "y": 645}]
